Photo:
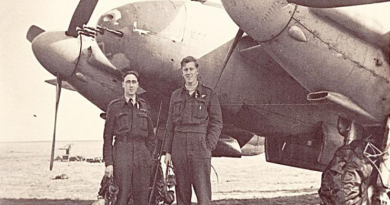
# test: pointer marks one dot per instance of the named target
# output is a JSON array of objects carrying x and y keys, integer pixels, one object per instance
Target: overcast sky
[{"x": 26, "y": 102}]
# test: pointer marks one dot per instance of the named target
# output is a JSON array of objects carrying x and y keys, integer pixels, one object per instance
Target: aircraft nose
[
  {"x": 56, "y": 52},
  {"x": 261, "y": 19}
]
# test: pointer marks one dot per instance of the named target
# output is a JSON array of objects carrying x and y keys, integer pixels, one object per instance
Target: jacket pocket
[
  {"x": 199, "y": 109},
  {"x": 178, "y": 107},
  {"x": 122, "y": 121},
  {"x": 143, "y": 120}
]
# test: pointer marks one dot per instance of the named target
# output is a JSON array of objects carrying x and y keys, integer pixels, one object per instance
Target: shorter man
[
  {"x": 130, "y": 158},
  {"x": 193, "y": 128}
]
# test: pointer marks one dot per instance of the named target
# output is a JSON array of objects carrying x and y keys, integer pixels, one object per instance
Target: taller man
[
  {"x": 193, "y": 128},
  {"x": 129, "y": 159}
]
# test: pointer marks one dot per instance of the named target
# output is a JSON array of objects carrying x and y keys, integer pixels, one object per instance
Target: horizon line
[{"x": 48, "y": 141}]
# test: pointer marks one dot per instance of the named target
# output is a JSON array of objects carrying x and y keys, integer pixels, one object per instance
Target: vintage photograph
[{"x": 225, "y": 102}]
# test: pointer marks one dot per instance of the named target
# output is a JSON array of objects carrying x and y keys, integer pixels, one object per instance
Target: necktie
[{"x": 131, "y": 102}]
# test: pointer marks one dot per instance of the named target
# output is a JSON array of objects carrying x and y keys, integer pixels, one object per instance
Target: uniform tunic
[
  {"x": 130, "y": 154},
  {"x": 193, "y": 128}
]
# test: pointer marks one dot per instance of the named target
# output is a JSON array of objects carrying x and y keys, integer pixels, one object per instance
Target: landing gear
[
  {"x": 382, "y": 185},
  {"x": 359, "y": 173}
]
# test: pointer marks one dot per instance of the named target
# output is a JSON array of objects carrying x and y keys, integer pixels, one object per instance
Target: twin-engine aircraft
[{"x": 307, "y": 79}]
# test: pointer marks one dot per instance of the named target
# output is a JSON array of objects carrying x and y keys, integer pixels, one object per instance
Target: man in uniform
[
  {"x": 129, "y": 159},
  {"x": 193, "y": 127}
]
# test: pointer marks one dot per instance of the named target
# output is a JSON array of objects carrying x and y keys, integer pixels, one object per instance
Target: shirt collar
[
  {"x": 198, "y": 91},
  {"x": 135, "y": 99},
  {"x": 192, "y": 86}
]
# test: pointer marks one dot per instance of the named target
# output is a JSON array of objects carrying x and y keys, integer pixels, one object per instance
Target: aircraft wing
[{"x": 65, "y": 84}]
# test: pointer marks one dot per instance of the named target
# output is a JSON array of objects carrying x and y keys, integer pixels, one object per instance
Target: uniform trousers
[
  {"x": 192, "y": 166},
  {"x": 132, "y": 169}
]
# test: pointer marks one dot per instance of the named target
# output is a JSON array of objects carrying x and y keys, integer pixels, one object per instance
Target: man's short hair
[
  {"x": 189, "y": 59},
  {"x": 131, "y": 72}
]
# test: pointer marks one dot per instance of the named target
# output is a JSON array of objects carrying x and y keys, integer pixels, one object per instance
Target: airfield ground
[{"x": 25, "y": 179}]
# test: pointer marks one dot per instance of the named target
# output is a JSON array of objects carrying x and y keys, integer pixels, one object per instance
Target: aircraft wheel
[{"x": 346, "y": 179}]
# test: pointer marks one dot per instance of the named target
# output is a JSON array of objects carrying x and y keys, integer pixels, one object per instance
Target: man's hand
[
  {"x": 168, "y": 159},
  {"x": 109, "y": 171},
  {"x": 99, "y": 202}
]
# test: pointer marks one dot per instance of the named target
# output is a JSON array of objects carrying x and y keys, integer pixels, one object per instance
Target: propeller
[
  {"x": 81, "y": 16},
  {"x": 58, "y": 95},
  {"x": 333, "y": 3},
  {"x": 239, "y": 34}
]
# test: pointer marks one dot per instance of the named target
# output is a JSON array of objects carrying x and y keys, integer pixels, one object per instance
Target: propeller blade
[
  {"x": 81, "y": 16},
  {"x": 33, "y": 32},
  {"x": 239, "y": 34},
  {"x": 333, "y": 3},
  {"x": 58, "y": 95}
]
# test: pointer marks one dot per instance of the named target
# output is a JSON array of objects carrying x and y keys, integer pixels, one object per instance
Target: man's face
[
  {"x": 130, "y": 85},
  {"x": 190, "y": 73}
]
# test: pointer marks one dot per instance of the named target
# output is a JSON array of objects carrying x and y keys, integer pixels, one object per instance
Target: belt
[{"x": 126, "y": 138}]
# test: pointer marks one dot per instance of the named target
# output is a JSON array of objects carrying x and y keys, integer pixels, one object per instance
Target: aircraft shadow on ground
[{"x": 308, "y": 199}]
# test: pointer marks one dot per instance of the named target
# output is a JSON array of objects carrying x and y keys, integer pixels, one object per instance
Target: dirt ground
[
  {"x": 291, "y": 200},
  {"x": 25, "y": 179}
]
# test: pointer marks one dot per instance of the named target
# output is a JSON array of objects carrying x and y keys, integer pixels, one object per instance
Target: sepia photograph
[{"x": 209, "y": 102}]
